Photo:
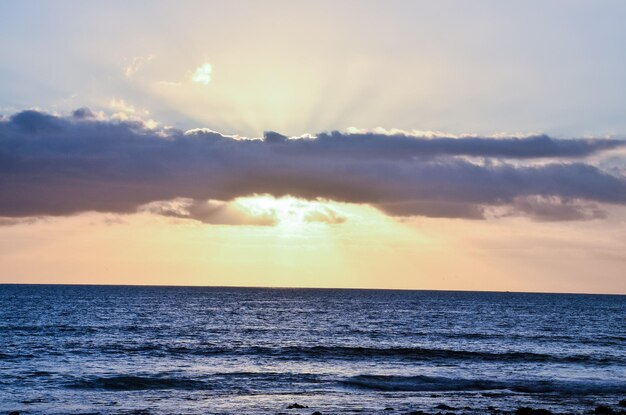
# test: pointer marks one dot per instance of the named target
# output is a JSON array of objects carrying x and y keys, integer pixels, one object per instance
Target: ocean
[{"x": 197, "y": 350}]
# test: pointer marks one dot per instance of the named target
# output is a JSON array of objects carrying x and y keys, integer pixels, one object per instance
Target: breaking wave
[{"x": 440, "y": 384}]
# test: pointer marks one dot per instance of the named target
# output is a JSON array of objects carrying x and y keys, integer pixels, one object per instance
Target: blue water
[{"x": 175, "y": 350}]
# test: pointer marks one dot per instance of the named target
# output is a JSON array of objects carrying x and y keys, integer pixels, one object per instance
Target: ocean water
[{"x": 176, "y": 350}]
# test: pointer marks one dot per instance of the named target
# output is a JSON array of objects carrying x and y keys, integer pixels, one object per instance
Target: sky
[{"x": 404, "y": 144}]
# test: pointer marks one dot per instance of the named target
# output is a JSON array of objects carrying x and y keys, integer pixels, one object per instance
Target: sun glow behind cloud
[
  {"x": 287, "y": 212},
  {"x": 199, "y": 203},
  {"x": 291, "y": 212}
]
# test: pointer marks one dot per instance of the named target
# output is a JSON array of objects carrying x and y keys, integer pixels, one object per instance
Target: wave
[
  {"x": 441, "y": 384},
  {"x": 359, "y": 352},
  {"x": 6, "y": 356},
  {"x": 130, "y": 383},
  {"x": 331, "y": 353},
  {"x": 418, "y": 353},
  {"x": 381, "y": 383},
  {"x": 227, "y": 380}
]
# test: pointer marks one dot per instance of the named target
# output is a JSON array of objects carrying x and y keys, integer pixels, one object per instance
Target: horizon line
[{"x": 308, "y": 288}]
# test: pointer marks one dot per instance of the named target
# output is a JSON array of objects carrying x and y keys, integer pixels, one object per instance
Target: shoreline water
[{"x": 296, "y": 408}]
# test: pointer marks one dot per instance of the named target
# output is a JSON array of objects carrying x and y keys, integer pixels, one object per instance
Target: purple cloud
[{"x": 53, "y": 165}]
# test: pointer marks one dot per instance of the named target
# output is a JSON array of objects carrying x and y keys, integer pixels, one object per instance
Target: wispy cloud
[
  {"x": 123, "y": 111},
  {"x": 202, "y": 74},
  {"x": 136, "y": 64},
  {"x": 122, "y": 106},
  {"x": 52, "y": 165}
]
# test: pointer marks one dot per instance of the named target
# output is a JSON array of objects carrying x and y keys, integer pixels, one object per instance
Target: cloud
[
  {"x": 258, "y": 210},
  {"x": 405, "y": 146},
  {"x": 31, "y": 121},
  {"x": 202, "y": 75},
  {"x": 136, "y": 64},
  {"x": 52, "y": 165},
  {"x": 123, "y": 111},
  {"x": 122, "y": 106},
  {"x": 549, "y": 208},
  {"x": 324, "y": 215},
  {"x": 18, "y": 221},
  {"x": 214, "y": 212}
]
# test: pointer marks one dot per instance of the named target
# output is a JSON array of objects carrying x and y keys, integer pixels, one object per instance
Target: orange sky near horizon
[{"x": 368, "y": 250}]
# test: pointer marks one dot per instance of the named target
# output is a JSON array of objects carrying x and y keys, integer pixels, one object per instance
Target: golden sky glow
[
  {"x": 427, "y": 145},
  {"x": 368, "y": 250}
]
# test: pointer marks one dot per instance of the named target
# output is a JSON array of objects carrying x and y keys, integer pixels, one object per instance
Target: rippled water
[{"x": 173, "y": 350}]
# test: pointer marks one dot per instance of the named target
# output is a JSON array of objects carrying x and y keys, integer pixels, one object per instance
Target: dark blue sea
[{"x": 184, "y": 350}]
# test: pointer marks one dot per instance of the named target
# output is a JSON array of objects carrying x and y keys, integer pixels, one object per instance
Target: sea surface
[{"x": 183, "y": 350}]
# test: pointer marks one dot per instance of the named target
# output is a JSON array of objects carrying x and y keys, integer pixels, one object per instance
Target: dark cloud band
[{"x": 62, "y": 165}]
